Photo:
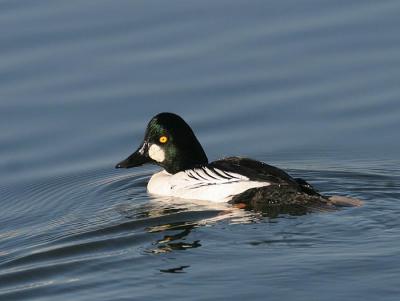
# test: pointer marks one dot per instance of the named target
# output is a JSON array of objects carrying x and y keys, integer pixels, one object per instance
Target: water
[{"x": 309, "y": 86}]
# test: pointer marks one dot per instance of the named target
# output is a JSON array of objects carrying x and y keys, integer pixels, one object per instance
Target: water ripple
[{"x": 312, "y": 88}]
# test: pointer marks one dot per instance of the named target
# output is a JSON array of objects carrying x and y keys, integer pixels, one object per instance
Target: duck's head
[{"x": 170, "y": 143}]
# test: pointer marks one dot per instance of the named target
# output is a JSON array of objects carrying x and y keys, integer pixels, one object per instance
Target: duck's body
[
  {"x": 170, "y": 143},
  {"x": 208, "y": 183}
]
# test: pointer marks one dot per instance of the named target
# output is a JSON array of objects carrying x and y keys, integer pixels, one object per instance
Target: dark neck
[{"x": 187, "y": 160}]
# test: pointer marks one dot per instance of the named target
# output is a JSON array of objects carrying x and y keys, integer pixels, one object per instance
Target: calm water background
[{"x": 311, "y": 86}]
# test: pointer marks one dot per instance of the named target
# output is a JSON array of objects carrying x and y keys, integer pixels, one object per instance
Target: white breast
[{"x": 209, "y": 184}]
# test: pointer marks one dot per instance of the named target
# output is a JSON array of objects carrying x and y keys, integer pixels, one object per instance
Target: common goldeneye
[{"x": 170, "y": 143}]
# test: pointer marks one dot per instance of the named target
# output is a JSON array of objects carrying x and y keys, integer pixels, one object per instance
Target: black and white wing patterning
[
  {"x": 211, "y": 183},
  {"x": 247, "y": 181}
]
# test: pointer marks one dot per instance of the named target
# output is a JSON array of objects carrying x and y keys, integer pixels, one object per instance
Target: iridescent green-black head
[{"x": 169, "y": 142}]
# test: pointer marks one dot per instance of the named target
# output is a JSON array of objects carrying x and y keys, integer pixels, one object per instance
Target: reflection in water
[
  {"x": 312, "y": 86},
  {"x": 175, "y": 270},
  {"x": 171, "y": 242},
  {"x": 180, "y": 217}
]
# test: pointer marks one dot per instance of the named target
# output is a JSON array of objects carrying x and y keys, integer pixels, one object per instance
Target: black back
[{"x": 254, "y": 170}]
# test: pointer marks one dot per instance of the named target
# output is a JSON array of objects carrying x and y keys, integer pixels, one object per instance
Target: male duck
[{"x": 170, "y": 143}]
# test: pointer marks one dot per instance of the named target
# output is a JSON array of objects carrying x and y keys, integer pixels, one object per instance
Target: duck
[{"x": 170, "y": 143}]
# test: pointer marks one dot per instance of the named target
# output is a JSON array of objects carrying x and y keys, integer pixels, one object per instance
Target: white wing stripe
[
  {"x": 214, "y": 174},
  {"x": 221, "y": 174},
  {"x": 202, "y": 175},
  {"x": 236, "y": 176},
  {"x": 209, "y": 174},
  {"x": 206, "y": 176},
  {"x": 192, "y": 174}
]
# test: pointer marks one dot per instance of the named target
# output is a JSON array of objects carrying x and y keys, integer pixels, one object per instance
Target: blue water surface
[{"x": 310, "y": 86}]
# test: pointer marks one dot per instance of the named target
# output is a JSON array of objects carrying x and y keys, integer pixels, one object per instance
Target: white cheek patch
[{"x": 156, "y": 153}]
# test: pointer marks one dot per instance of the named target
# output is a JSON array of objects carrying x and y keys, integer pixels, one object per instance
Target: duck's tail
[
  {"x": 283, "y": 199},
  {"x": 343, "y": 201},
  {"x": 335, "y": 200}
]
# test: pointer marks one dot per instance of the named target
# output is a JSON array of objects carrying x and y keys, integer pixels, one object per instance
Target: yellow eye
[{"x": 163, "y": 139}]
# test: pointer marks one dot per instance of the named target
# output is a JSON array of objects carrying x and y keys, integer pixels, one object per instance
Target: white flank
[
  {"x": 156, "y": 153},
  {"x": 201, "y": 184}
]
